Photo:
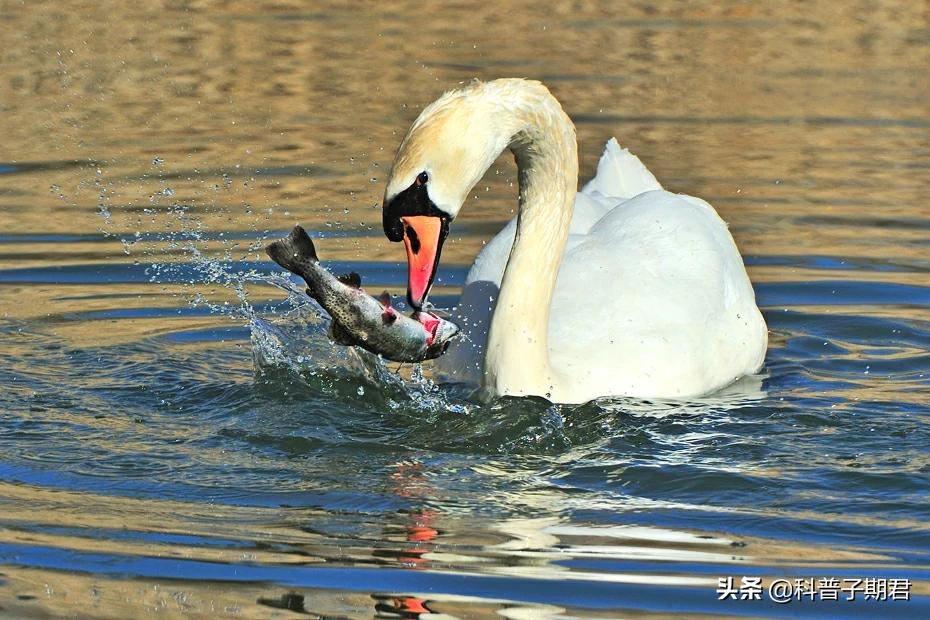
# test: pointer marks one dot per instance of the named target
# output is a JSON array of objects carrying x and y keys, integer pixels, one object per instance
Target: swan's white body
[{"x": 622, "y": 288}]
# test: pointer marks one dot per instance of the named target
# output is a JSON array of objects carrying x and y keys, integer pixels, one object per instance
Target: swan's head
[{"x": 446, "y": 151}]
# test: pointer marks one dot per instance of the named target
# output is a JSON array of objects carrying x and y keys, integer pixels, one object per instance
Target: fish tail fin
[{"x": 293, "y": 251}]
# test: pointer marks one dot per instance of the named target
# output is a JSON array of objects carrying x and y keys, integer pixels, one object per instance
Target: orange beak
[{"x": 423, "y": 237}]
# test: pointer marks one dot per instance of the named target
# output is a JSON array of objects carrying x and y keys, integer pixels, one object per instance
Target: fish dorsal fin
[
  {"x": 385, "y": 299},
  {"x": 351, "y": 279}
]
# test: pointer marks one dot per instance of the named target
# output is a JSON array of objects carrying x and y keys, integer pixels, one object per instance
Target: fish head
[{"x": 440, "y": 333}]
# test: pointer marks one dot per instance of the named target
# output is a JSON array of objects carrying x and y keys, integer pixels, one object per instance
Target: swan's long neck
[{"x": 543, "y": 143}]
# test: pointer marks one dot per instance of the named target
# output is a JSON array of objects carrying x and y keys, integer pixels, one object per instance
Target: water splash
[{"x": 290, "y": 334}]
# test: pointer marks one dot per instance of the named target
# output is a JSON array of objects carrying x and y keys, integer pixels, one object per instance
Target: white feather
[{"x": 652, "y": 298}]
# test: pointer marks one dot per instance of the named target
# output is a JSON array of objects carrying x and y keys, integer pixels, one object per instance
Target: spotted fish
[{"x": 358, "y": 318}]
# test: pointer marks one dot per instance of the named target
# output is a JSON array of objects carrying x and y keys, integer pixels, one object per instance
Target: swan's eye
[{"x": 422, "y": 178}]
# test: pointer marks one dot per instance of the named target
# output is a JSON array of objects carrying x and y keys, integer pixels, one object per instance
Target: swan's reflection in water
[
  {"x": 428, "y": 560},
  {"x": 545, "y": 552},
  {"x": 420, "y": 534}
]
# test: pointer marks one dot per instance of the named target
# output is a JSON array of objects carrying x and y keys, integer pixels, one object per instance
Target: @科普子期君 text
[{"x": 782, "y": 590}]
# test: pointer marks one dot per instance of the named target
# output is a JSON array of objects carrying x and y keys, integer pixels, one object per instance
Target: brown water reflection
[{"x": 769, "y": 111}]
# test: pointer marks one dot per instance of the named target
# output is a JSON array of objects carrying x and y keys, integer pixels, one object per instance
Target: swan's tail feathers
[{"x": 620, "y": 174}]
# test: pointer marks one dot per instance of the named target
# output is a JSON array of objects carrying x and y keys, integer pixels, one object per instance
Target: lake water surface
[{"x": 179, "y": 439}]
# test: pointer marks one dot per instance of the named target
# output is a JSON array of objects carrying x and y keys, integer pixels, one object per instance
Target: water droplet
[
  {"x": 157, "y": 161},
  {"x": 360, "y": 391}
]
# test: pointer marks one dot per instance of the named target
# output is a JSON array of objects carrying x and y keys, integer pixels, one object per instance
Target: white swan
[{"x": 622, "y": 288}]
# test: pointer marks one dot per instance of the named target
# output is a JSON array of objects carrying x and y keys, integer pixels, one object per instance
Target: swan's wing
[
  {"x": 651, "y": 299},
  {"x": 656, "y": 302},
  {"x": 620, "y": 174}
]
